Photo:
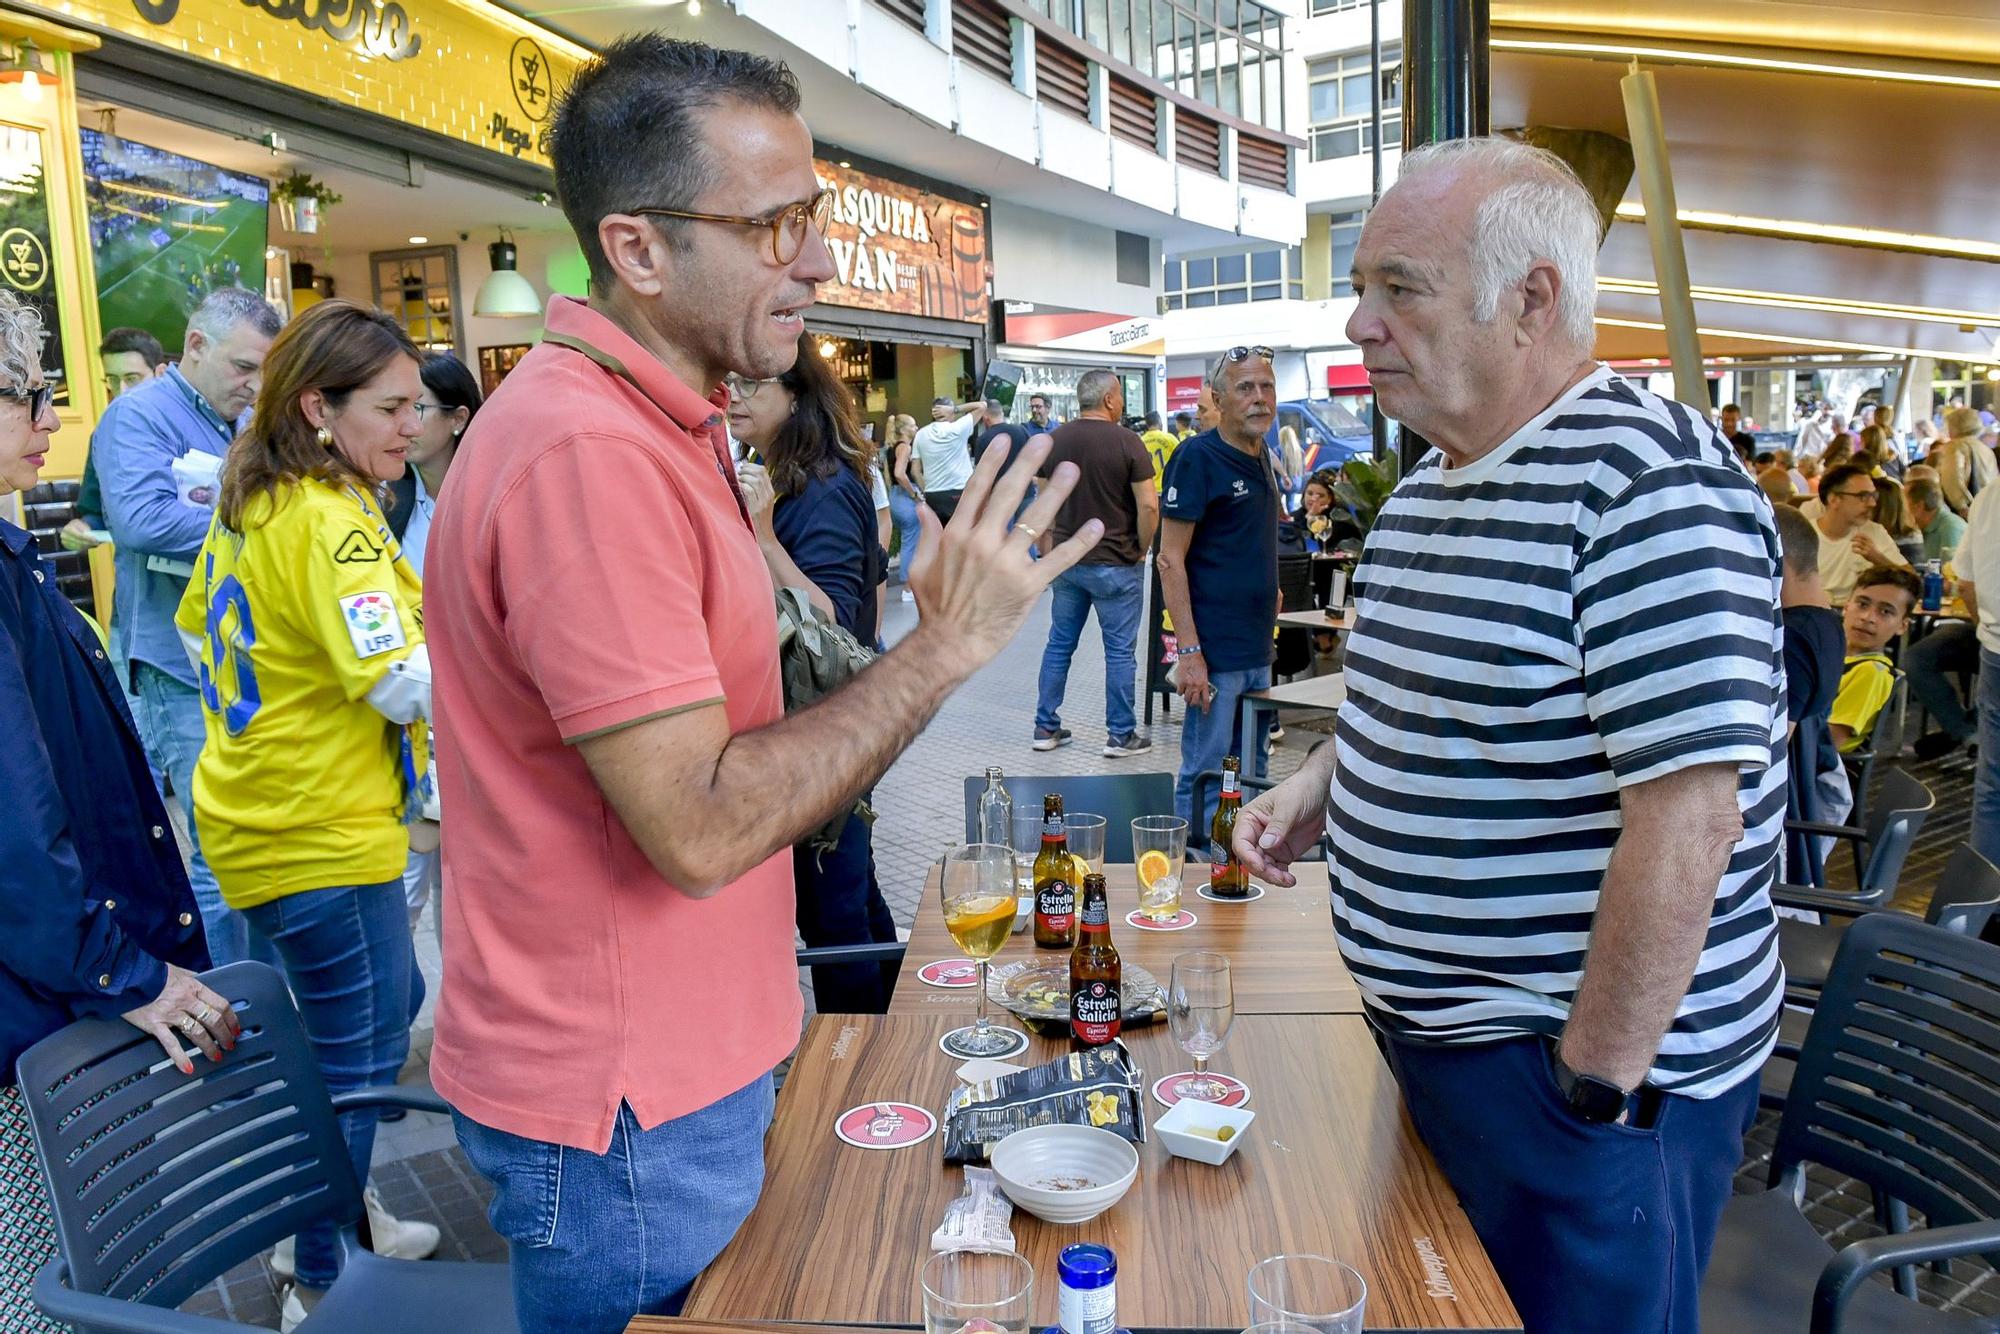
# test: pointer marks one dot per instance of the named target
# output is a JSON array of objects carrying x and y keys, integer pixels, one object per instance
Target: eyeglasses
[
  {"x": 788, "y": 226},
  {"x": 1236, "y": 354},
  {"x": 37, "y": 399},
  {"x": 1870, "y": 495},
  {"x": 744, "y": 389},
  {"x": 424, "y": 410}
]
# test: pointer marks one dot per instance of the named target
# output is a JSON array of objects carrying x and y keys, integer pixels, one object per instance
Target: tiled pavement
[{"x": 422, "y": 1174}]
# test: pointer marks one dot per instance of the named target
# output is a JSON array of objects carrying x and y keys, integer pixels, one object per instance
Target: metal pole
[
  {"x": 1663, "y": 229},
  {"x": 1378, "y": 425}
]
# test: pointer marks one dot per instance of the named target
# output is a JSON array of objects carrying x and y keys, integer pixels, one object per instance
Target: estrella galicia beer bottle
[
  {"x": 1055, "y": 884},
  {"x": 1227, "y": 878},
  {"x": 1095, "y": 973}
]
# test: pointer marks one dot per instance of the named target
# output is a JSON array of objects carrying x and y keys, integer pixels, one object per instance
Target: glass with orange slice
[
  {"x": 976, "y": 890},
  {"x": 1159, "y": 848}
]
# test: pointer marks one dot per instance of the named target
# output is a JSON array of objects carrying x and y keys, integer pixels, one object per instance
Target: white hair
[
  {"x": 1538, "y": 211},
  {"x": 21, "y": 335}
]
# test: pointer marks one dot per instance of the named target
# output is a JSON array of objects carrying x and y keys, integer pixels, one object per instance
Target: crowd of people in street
[{"x": 363, "y": 637}]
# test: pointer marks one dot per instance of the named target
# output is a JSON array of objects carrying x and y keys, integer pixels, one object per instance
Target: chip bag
[{"x": 1101, "y": 1087}]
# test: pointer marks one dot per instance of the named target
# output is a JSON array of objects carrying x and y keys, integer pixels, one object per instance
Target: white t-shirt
[
  {"x": 1977, "y": 562},
  {"x": 1814, "y": 436},
  {"x": 876, "y": 489},
  {"x": 1840, "y": 566},
  {"x": 945, "y": 450}
]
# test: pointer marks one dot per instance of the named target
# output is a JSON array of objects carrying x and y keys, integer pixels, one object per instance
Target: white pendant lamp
[{"x": 506, "y": 294}]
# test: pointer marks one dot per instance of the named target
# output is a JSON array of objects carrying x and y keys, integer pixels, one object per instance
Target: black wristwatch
[{"x": 1592, "y": 1099}]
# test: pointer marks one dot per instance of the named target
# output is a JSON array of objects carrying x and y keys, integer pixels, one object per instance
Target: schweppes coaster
[
  {"x": 884, "y": 1125},
  {"x": 952, "y": 973},
  {"x": 1180, "y": 921}
]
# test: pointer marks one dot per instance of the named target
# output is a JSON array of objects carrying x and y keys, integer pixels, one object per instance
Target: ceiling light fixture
[
  {"x": 827, "y": 348},
  {"x": 420, "y": 240},
  {"x": 1668, "y": 55},
  {"x": 845, "y": 164},
  {"x": 25, "y": 68},
  {"x": 1789, "y": 301},
  {"x": 694, "y": 9},
  {"x": 506, "y": 294},
  {"x": 1948, "y": 247}
]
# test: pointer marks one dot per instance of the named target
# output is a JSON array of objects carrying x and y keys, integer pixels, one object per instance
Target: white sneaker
[
  {"x": 908, "y": 596},
  {"x": 284, "y": 1260},
  {"x": 293, "y": 1312},
  {"x": 397, "y": 1238}
]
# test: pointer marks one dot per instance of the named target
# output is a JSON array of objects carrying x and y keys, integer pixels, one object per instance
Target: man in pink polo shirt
[{"x": 623, "y": 783}]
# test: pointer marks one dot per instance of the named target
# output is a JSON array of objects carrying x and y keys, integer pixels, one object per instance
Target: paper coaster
[
  {"x": 1180, "y": 921},
  {"x": 1238, "y": 1092},
  {"x": 950, "y": 973},
  {"x": 884, "y": 1125},
  {"x": 1017, "y": 1042},
  {"x": 1256, "y": 892}
]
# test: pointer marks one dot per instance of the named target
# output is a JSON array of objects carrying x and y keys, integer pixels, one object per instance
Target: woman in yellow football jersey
[{"x": 307, "y": 626}]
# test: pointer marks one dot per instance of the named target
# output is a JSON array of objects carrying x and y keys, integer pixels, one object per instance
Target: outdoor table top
[
  {"x": 1317, "y": 619},
  {"x": 1330, "y": 1166},
  {"x": 1282, "y": 953},
  {"x": 1311, "y": 692},
  {"x": 673, "y": 1324}
]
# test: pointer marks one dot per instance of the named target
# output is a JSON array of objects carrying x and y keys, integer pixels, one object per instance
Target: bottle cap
[{"x": 1086, "y": 1265}]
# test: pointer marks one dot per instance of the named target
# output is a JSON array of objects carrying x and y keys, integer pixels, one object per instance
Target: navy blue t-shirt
[
  {"x": 1815, "y": 656},
  {"x": 828, "y": 529},
  {"x": 1232, "y": 500}
]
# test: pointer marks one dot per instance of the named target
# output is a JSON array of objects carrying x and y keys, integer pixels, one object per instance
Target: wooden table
[
  {"x": 1282, "y": 953},
  {"x": 1317, "y": 693},
  {"x": 1317, "y": 620},
  {"x": 1330, "y": 1166},
  {"x": 674, "y": 1324}
]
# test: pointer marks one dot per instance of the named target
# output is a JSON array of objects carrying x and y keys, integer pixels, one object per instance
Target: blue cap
[{"x": 1086, "y": 1265}]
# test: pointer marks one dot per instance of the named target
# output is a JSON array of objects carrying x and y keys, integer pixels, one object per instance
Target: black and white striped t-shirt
[{"x": 1591, "y": 605}]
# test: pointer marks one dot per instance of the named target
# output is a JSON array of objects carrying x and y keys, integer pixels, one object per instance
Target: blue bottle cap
[{"x": 1086, "y": 1265}]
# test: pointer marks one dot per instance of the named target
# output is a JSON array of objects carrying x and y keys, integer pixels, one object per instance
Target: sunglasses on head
[{"x": 37, "y": 399}]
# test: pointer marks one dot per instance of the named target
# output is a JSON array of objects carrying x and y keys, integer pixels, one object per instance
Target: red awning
[{"x": 1349, "y": 377}]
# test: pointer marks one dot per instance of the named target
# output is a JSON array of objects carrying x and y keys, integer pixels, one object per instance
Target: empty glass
[
  {"x": 1311, "y": 1290},
  {"x": 1086, "y": 842},
  {"x": 1201, "y": 1006},
  {"x": 1159, "y": 849},
  {"x": 976, "y": 891},
  {"x": 1027, "y": 846},
  {"x": 983, "y": 1291}
]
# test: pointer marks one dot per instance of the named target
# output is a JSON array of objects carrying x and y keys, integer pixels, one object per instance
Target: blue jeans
[
  {"x": 1593, "y": 1229},
  {"x": 1931, "y": 663},
  {"x": 354, "y": 975},
  {"x": 1116, "y": 591},
  {"x": 903, "y": 512},
  {"x": 597, "y": 1238},
  {"x": 170, "y": 725},
  {"x": 1986, "y": 779},
  {"x": 840, "y": 903},
  {"x": 1209, "y": 735}
]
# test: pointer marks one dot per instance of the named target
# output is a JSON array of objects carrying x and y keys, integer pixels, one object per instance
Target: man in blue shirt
[
  {"x": 1218, "y": 568},
  {"x": 195, "y": 406}
]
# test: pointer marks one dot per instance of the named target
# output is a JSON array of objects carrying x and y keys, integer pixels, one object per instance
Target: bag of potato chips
[{"x": 1100, "y": 1087}]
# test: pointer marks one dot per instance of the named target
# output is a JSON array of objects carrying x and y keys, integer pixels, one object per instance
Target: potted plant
[
  {"x": 300, "y": 200},
  {"x": 1364, "y": 487}
]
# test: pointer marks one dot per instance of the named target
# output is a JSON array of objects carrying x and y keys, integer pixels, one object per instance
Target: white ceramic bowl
[
  {"x": 1177, "y": 1129},
  {"x": 1095, "y": 1168}
]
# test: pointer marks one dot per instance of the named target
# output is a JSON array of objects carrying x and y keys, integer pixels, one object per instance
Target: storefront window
[
  {"x": 26, "y": 247},
  {"x": 420, "y": 288}
]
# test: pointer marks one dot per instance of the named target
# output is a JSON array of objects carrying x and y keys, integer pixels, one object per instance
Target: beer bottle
[
  {"x": 1227, "y": 878},
  {"x": 1055, "y": 885},
  {"x": 1095, "y": 974}
]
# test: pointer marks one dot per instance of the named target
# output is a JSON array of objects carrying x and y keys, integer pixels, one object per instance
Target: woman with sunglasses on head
[
  {"x": 306, "y": 623},
  {"x": 97, "y": 920},
  {"x": 816, "y": 522}
]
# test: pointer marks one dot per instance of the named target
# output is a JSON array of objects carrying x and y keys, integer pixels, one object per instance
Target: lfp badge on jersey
[{"x": 372, "y": 623}]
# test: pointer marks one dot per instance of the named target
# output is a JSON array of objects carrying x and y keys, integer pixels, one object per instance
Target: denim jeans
[
  {"x": 903, "y": 512},
  {"x": 1115, "y": 591},
  {"x": 597, "y": 1238},
  {"x": 1986, "y": 778},
  {"x": 1932, "y": 662},
  {"x": 840, "y": 903},
  {"x": 170, "y": 725},
  {"x": 1209, "y": 735},
  {"x": 353, "y": 972}
]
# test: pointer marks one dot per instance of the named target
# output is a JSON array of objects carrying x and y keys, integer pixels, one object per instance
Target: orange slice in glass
[{"x": 1152, "y": 865}]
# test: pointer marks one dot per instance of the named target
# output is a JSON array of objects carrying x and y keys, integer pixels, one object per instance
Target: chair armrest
[
  {"x": 1827, "y": 900},
  {"x": 96, "y": 1312},
  {"x": 822, "y": 955},
  {"x": 1855, "y": 832},
  {"x": 390, "y": 1095},
  {"x": 1854, "y": 1264}
]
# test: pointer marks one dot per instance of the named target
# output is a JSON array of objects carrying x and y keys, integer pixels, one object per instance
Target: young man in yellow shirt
[{"x": 1877, "y": 611}]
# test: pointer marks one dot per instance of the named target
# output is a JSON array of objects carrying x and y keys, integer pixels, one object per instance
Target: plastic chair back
[
  {"x": 1967, "y": 892},
  {"x": 1119, "y": 798},
  {"x": 1898, "y": 1080},
  {"x": 162, "y": 1182},
  {"x": 1892, "y": 824}
]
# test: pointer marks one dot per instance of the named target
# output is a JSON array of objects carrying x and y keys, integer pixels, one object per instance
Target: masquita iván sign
[{"x": 378, "y": 29}]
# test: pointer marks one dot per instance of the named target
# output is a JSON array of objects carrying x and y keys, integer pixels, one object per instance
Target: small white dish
[
  {"x": 1065, "y": 1173},
  {"x": 1180, "y": 1127}
]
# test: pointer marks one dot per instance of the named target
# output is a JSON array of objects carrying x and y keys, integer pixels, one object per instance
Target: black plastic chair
[
  {"x": 1967, "y": 893},
  {"x": 1898, "y": 1087},
  {"x": 1881, "y": 846},
  {"x": 162, "y": 1182},
  {"x": 1119, "y": 798},
  {"x": 1210, "y": 781},
  {"x": 1885, "y": 738}
]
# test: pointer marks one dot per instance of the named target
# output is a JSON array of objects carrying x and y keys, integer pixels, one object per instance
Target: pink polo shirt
[{"x": 589, "y": 568}]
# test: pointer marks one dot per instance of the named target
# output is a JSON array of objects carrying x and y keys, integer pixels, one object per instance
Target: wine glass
[
  {"x": 1201, "y": 1005},
  {"x": 987, "y": 1291},
  {"x": 1312, "y": 1291},
  {"x": 976, "y": 889},
  {"x": 1159, "y": 848}
]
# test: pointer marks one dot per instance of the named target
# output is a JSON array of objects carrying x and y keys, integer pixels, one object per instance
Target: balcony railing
[{"x": 1349, "y": 137}]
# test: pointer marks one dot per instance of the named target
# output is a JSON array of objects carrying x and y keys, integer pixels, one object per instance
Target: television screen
[{"x": 166, "y": 231}]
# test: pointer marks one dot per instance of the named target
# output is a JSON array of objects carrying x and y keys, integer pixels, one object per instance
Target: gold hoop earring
[{"x": 325, "y": 438}]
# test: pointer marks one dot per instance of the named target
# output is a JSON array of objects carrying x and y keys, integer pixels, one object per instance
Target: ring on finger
[
  {"x": 189, "y": 1025},
  {"x": 205, "y": 1013},
  {"x": 1032, "y": 533}
]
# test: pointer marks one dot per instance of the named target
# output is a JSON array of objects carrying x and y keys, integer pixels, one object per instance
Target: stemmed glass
[
  {"x": 990, "y": 1291},
  {"x": 1201, "y": 1005},
  {"x": 976, "y": 889}
]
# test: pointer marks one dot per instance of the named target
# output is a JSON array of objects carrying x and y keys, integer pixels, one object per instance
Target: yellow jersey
[
  {"x": 302, "y": 784},
  {"x": 1161, "y": 445}
]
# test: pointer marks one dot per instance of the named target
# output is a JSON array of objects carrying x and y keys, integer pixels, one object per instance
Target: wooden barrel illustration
[
  {"x": 968, "y": 253},
  {"x": 935, "y": 285}
]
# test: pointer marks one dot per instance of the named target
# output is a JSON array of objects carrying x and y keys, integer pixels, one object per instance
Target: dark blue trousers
[
  {"x": 840, "y": 903},
  {"x": 1594, "y": 1229}
]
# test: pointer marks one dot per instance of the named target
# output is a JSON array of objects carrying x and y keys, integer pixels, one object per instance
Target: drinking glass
[
  {"x": 976, "y": 890},
  {"x": 1086, "y": 843},
  {"x": 977, "y": 1292},
  {"x": 1159, "y": 848},
  {"x": 1027, "y": 846},
  {"x": 1310, "y": 1290},
  {"x": 1201, "y": 1005}
]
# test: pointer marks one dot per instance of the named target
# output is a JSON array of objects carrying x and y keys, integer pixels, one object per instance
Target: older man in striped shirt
[{"x": 1557, "y": 786}]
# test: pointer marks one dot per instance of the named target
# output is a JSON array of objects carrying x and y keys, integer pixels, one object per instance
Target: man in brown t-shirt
[{"x": 1115, "y": 486}]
